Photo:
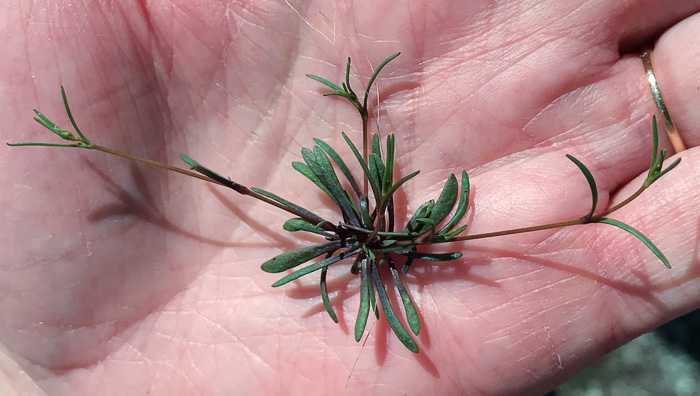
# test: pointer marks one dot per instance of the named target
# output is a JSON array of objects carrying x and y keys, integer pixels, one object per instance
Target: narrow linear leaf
[
  {"x": 355, "y": 209},
  {"x": 226, "y": 181},
  {"x": 363, "y": 311},
  {"x": 428, "y": 223},
  {"x": 48, "y": 124},
  {"x": 461, "y": 208},
  {"x": 446, "y": 201},
  {"x": 654, "y": 147},
  {"x": 388, "y": 177},
  {"x": 364, "y": 213},
  {"x": 394, "y": 322},
  {"x": 452, "y": 234},
  {"x": 409, "y": 261},
  {"x": 297, "y": 224},
  {"x": 390, "y": 249},
  {"x": 423, "y": 212},
  {"x": 345, "y": 95},
  {"x": 376, "y": 72},
  {"x": 376, "y": 147},
  {"x": 372, "y": 297},
  {"x": 401, "y": 181},
  {"x": 347, "y": 79},
  {"x": 318, "y": 169},
  {"x": 39, "y": 144},
  {"x": 657, "y": 158},
  {"x": 639, "y": 236},
  {"x": 341, "y": 164},
  {"x": 430, "y": 256},
  {"x": 591, "y": 184},
  {"x": 70, "y": 115},
  {"x": 409, "y": 308},
  {"x": 376, "y": 188},
  {"x": 331, "y": 180},
  {"x": 324, "y": 296},
  {"x": 309, "y": 214},
  {"x": 316, "y": 266},
  {"x": 668, "y": 169},
  {"x": 325, "y": 82},
  {"x": 305, "y": 170},
  {"x": 291, "y": 259},
  {"x": 44, "y": 121},
  {"x": 376, "y": 169},
  {"x": 390, "y": 210}
]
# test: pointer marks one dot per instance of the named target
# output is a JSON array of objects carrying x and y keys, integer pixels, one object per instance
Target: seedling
[{"x": 365, "y": 230}]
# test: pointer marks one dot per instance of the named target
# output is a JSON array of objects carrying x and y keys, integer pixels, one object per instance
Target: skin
[{"x": 126, "y": 279}]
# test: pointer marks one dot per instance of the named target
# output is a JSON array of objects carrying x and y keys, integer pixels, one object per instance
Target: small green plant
[{"x": 366, "y": 229}]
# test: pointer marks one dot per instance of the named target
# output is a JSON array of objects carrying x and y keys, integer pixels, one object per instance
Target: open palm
[{"x": 126, "y": 279}]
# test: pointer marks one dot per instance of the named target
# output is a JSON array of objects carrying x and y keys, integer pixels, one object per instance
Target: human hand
[{"x": 126, "y": 279}]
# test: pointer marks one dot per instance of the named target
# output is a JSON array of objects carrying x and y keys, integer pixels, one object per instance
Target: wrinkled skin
[{"x": 126, "y": 279}]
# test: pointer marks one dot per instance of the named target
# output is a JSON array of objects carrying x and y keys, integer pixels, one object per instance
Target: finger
[
  {"x": 637, "y": 22},
  {"x": 677, "y": 65}
]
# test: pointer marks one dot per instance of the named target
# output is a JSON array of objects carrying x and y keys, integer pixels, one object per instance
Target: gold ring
[{"x": 673, "y": 134}]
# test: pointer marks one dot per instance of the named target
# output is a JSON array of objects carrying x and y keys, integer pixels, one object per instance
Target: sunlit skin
[{"x": 120, "y": 278}]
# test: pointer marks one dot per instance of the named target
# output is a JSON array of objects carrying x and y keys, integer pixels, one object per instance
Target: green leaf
[
  {"x": 376, "y": 73},
  {"x": 363, "y": 311},
  {"x": 452, "y": 234},
  {"x": 665, "y": 171},
  {"x": 657, "y": 159},
  {"x": 226, "y": 181},
  {"x": 409, "y": 261},
  {"x": 430, "y": 256},
  {"x": 347, "y": 80},
  {"x": 313, "y": 171},
  {"x": 376, "y": 148},
  {"x": 324, "y": 296},
  {"x": 423, "y": 212},
  {"x": 409, "y": 308},
  {"x": 316, "y": 266},
  {"x": 654, "y": 146},
  {"x": 48, "y": 124},
  {"x": 197, "y": 167},
  {"x": 639, "y": 236},
  {"x": 329, "y": 177},
  {"x": 341, "y": 164},
  {"x": 376, "y": 170},
  {"x": 388, "y": 177},
  {"x": 591, "y": 184},
  {"x": 307, "y": 213},
  {"x": 291, "y": 259},
  {"x": 306, "y": 171},
  {"x": 376, "y": 188},
  {"x": 39, "y": 144},
  {"x": 364, "y": 213},
  {"x": 372, "y": 298},
  {"x": 323, "y": 175},
  {"x": 297, "y": 224},
  {"x": 70, "y": 116},
  {"x": 394, "y": 322},
  {"x": 401, "y": 181},
  {"x": 429, "y": 224},
  {"x": 461, "y": 209},
  {"x": 326, "y": 83},
  {"x": 446, "y": 201}
]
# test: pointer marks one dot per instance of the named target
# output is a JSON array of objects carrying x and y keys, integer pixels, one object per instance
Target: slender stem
[
  {"x": 623, "y": 203},
  {"x": 154, "y": 163},
  {"x": 511, "y": 231},
  {"x": 241, "y": 189}
]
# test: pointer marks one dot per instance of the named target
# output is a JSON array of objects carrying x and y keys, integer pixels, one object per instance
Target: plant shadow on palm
[{"x": 383, "y": 251}]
